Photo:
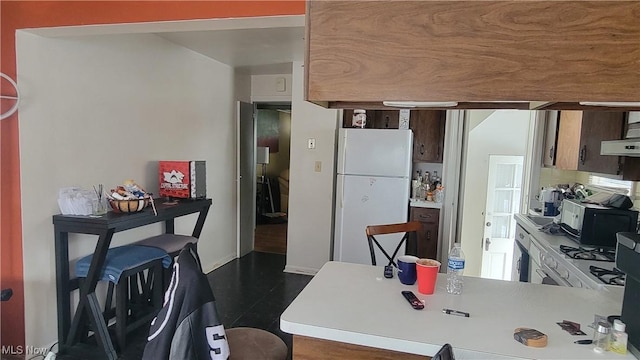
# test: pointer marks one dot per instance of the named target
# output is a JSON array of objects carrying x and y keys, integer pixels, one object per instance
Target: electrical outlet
[
  {"x": 311, "y": 143},
  {"x": 318, "y": 166}
]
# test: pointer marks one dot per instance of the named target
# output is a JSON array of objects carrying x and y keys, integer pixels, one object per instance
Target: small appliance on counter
[
  {"x": 182, "y": 179},
  {"x": 551, "y": 199},
  {"x": 628, "y": 261},
  {"x": 592, "y": 225}
]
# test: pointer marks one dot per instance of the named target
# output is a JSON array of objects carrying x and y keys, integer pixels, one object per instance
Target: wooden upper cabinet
[
  {"x": 428, "y": 135},
  {"x": 376, "y": 119},
  {"x": 561, "y": 52},
  {"x": 579, "y": 136}
]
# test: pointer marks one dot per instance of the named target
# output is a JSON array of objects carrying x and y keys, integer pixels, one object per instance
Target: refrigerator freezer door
[
  {"x": 375, "y": 152},
  {"x": 363, "y": 201}
]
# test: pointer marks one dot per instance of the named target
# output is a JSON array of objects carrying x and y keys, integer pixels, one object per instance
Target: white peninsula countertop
[{"x": 355, "y": 304}]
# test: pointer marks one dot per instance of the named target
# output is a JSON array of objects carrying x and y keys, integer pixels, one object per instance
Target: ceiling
[
  {"x": 261, "y": 45},
  {"x": 251, "y": 49}
]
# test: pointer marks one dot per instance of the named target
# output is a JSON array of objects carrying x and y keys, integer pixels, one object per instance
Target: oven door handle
[
  {"x": 542, "y": 273},
  {"x": 555, "y": 277}
]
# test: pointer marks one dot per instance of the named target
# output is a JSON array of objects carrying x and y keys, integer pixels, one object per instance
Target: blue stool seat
[
  {"x": 171, "y": 243},
  {"x": 138, "y": 296},
  {"x": 123, "y": 258}
]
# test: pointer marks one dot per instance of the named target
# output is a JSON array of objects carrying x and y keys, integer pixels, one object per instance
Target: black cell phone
[
  {"x": 413, "y": 300},
  {"x": 445, "y": 353},
  {"x": 388, "y": 271}
]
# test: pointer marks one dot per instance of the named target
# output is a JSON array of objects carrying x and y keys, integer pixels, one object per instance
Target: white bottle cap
[{"x": 619, "y": 325}]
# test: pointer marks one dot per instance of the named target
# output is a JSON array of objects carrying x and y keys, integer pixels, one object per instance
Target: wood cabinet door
[
  {"x": 428, "y": 135},
  {"x": 550, "y": 139},
  {"x": 428, "y": 236},
  {"x": 598, "y": 127},
  {"x": 373, "y": 51},
  {"x": 568, "y": 145},
  {"x": 386, "y": 119}
]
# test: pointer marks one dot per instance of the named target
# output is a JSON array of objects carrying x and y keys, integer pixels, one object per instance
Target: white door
[
  {"x": 246, "y": 174},
  {"x": 363, "y": 201},
  {"x": 503, "y": 201}
]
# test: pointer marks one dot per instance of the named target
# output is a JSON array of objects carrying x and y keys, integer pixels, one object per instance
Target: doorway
[
  {"x": 273, "y": 138},
  {"x": 504, "y": 191},
  {"x": 503, "y": 136}
]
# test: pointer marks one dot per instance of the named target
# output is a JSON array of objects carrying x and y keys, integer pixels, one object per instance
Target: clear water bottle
[{"x": 455, "y": 269}]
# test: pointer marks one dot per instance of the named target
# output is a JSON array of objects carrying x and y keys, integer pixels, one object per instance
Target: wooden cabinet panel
[
  {"x": 387, "y": 119},
  {"x": 598, "y": 127},
  {"x": 467, "y": 51},
  {"x": 428, "y": 135},
  {"x": 428, "y": 236},
  {"x": 568, "y": 140},
  {"x": 579, "y": 136}
]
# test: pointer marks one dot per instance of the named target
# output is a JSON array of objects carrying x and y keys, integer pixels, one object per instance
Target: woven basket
[{"x": 129, "y": 206}]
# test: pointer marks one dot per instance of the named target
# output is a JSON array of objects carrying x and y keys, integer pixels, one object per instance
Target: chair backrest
[{"x": 410, "y": 230}]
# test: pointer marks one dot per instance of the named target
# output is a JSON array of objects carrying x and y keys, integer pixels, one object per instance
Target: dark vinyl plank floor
[{"x": 251, "y": 291}]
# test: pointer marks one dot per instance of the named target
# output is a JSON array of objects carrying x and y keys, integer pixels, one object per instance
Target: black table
[{"x": 70, "y": 333}]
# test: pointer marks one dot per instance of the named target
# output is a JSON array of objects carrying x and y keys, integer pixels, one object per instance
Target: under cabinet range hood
[{"x": 627, "y": 147}]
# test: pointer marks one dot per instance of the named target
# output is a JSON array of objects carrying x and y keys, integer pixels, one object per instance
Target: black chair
[
  {"x": 188, "y": 325},
  {"x": 410, "y": 230}
]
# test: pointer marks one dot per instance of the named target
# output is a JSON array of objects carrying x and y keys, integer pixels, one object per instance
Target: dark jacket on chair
[{"x": 188, "y": 326}]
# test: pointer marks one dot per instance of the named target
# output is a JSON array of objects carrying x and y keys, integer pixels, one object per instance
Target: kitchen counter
[
  {"x": 425, "y": 204},
  {"x": 355, "y": 305}
]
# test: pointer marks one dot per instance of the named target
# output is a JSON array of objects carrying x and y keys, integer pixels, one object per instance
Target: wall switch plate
[
  {"x": 318, "y": 166},
  {"x": 311, "y": 143}
]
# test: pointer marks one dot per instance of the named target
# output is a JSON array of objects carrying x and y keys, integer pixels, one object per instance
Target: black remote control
[
  {"x": 413, "y": 300},
  {"x": 388, "y": 271}
]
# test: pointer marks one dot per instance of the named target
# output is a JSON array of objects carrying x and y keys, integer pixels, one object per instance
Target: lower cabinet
[{"x": 428, "y": 235}]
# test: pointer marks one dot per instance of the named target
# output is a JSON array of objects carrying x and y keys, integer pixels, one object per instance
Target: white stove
[{"x": 576, "y": 272}]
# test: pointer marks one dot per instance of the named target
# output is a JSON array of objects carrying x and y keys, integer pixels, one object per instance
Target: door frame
[{"x": 239, "y": 208}]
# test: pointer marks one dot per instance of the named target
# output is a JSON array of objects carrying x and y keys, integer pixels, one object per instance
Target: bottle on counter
[
  {"x": 619, "y": 338},
  {"x": 455, "y": 269},
  {"x": 438, "y": 195},
  {"x": 601, "y": 337},
  {"x": 435, "y": 180},
  {"x": 359, "y": 119}
]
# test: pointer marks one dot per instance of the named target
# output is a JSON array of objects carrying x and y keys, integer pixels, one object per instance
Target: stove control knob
[{"x": 564, "y": 273}]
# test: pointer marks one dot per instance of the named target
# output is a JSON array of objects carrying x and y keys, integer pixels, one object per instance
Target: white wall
[
  {"x": 310, "y": 193},
  {"x": 264, "y": 88},
  {"x": 502, "y": 132},
  {"x": 106, "y": 109}
]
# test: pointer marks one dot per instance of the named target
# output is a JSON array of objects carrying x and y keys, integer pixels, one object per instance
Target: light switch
[
  {"x": 281, "y": 84},
  {"x": 318, "y": 166},
  {"x": 311, "y": 143}
]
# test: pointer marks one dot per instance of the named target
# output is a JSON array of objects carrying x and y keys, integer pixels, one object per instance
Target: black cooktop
[
  {"x": 583, "y": 253},
  {"x": 611, "y": 277}
]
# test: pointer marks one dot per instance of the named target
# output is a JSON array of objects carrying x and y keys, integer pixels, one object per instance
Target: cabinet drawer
[{"x": 425, "y": 215}]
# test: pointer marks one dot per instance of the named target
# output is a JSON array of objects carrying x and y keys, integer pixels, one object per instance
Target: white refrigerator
[{"x": 372, "y": 188}]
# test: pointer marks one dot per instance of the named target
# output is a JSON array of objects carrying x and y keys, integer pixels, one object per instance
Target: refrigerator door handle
[
  {"x": 342, "y": 194},
  {"x": 344, "y": 154}
]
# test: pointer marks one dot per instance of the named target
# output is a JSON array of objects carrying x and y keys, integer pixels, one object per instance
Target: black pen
[
  {"x": 583, "y": 342},
  {"x": 455, "y": 312}
]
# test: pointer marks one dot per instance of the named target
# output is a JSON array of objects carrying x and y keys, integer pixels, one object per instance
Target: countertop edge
[{"x": 425, "y": 204}]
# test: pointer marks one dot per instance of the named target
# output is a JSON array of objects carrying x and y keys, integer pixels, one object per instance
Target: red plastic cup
[{"x": 427, "y": 270}]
